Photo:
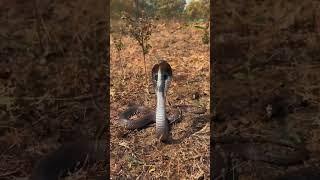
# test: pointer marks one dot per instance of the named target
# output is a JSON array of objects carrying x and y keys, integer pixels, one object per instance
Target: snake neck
[
  {"x": 161, "y": 122},
  {"x": 161, "y": 108}
]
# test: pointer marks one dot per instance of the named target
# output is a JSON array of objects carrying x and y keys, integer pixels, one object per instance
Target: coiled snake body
[
  {"x": 70, "y": 156},
  {"x": 148, "y": 117},
  {"x": 161, "y": 78}
]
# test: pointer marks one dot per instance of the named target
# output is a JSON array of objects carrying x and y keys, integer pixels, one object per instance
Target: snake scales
[
  {"x": 70, "y": 156},
  {"x": 161, "y": 78},
  {"x": 148, "y": 117}
]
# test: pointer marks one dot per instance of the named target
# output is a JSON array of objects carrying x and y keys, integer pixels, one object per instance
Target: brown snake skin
[{"x": 148, "y": 118}]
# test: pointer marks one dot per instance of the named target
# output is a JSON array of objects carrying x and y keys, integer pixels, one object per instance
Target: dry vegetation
[
  {"x": 268, "y": 55},
  {"x": 51, "y": 56},
  {"x": 137, "y": 154}
]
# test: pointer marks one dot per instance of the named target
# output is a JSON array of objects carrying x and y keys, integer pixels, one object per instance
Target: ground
[
  {"x": 50, "y": 52},
  {"x": 137, "y": 154},
  {"x": 267, "y": 52},
  {"x": 267, "y": 97}
]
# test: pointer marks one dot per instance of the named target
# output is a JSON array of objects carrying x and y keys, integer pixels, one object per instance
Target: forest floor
[
  {"x": 268, "y": 92},
  {"x": 51, "y": 56},
  {"x": 137, "y": 154},
  {"x": 268, "y": 61}
]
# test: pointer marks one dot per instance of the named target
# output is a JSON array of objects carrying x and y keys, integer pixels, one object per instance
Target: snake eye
[{"x": 156, "y": 77}]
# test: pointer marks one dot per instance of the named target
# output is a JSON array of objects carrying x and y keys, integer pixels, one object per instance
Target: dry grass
[
  {"x": 137, "y": 154},
  {"x": 51, "y": 51},
  {"x": 279, "y": 42}
]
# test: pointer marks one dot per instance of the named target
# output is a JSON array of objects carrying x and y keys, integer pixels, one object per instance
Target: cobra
[
  {"x": 70, "y": 156},
  {"x": 161, "y": 78}
]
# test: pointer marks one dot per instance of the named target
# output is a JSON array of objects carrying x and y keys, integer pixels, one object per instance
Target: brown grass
[
  {"x": 137, "y": 154},
  {"x": 50, "y": 57},
  {"x": 278, "y": 40}
]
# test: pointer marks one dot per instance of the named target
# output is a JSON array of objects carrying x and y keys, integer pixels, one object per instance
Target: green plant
[
  {"x": 198, "y": 9},
  {"x": 169, "y": 8},
  {"x": 206, "y": 36}
]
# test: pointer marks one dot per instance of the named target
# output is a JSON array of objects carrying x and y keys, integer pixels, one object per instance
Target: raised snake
[
  {"x": 70, "y": 156},
  {"x": 161, "y": 78}
]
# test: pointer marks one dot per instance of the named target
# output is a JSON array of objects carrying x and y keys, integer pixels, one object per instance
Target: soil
[
  {"x": 51, "y": 56},
  {"x": 138, "y": 154},
  {"x": 267, "y": 77},
  {"x": 267, "y": 118}
]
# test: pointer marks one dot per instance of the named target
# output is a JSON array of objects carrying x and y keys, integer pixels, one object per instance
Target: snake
[
  {"x": 72, "y": 155},
  {"x": 161, "y": 78}
]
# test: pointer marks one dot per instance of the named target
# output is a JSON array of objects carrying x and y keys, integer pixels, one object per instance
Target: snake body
[
  {"x": 148, "y": 118},
  {"x": 161, "y": 78},
  {"x": 71, "y": 156},
  {"x": 67, "y": 158}
]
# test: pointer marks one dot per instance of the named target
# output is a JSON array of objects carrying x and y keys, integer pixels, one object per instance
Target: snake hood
[
  {"x": 161, "y": 77},
  {"x": 68, "y": 157}
]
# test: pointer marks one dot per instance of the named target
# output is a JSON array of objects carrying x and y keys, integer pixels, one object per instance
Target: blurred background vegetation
[{"x": 162, "y": 9}]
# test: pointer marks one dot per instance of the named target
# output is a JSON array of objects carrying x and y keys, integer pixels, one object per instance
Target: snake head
[{"x": 161, "y": 76}]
